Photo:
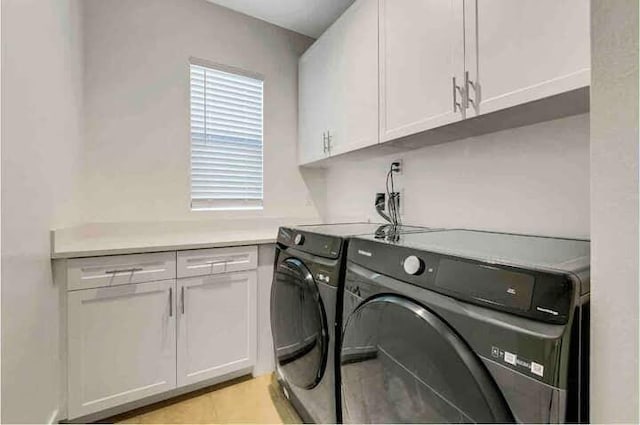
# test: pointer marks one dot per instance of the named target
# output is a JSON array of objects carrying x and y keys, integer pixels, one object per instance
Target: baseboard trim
[
  {"x": 133, "y": 405},
  {"x": 53, "y": 419}
]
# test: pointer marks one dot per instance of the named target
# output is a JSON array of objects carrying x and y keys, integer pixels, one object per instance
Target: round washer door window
[
  {"x": 298, "y": 324},
  {"x": 401, "y": 363}
]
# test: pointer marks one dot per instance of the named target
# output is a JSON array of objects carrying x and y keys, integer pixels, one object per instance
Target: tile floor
[{"x": 244, "y": 400}]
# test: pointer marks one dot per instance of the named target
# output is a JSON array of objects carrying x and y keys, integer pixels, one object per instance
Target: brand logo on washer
[{"x": 365, "y": 253}]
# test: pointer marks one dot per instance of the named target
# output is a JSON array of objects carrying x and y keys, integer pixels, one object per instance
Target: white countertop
[{"x": 92, "y": 240}]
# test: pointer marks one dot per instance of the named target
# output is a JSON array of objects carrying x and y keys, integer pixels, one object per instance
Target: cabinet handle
[
  {"x": 137, "y": 269},
  {"x": 456, "y": 88},
  {"x": 329, "y": 137},
  {"x": 182, "y": 298},
  {"x": 216, "y": 262},
  {"x": 468, "y": 83},
  {"x": 324, "y": 142},
  {"x": 170, "y": 302}
]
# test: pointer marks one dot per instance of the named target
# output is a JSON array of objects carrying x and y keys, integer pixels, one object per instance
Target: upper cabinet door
[
  {"x": 313, "y": 102},
  {"x": 525, "y": 50},
  {"x": 338, "y": 96},
  {"x": 421, "y": 52},
  {"x": 353, "y": 78}
]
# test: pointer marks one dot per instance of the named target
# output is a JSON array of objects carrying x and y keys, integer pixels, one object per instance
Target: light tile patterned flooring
[{"x": 244, "y": 400}]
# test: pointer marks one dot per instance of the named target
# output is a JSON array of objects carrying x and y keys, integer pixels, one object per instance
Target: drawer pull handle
[
  {"x": 227, "y": 261},
  {"x": 136, "y": 269}
]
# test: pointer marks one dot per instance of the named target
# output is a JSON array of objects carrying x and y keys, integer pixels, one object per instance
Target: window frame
[{"x": 224, "y": 204}]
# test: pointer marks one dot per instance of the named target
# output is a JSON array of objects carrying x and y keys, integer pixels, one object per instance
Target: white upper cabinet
[
  {"x": 354, "y": 78},
  {"x": 216, "y": 325},
  {"x": 421, "y": 52},
  {"x": 525, "y": 50},
  {"x": 429, "y": 63},
  {"x": 313, "y": 106},
  {"x": 338, "y": 86}
]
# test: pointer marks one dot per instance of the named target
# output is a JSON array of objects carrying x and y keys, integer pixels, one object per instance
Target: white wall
[
  {"x": 614, "y": 211},
  {"x": 41, "y": 161},
  {"x": 532, "y": 179},
  {"x": 137, "y": 106}
]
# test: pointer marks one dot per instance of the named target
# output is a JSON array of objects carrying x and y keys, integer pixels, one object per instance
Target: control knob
[
  {"x": 413, "y": 265},
  {"x": 299, "y": 239}
]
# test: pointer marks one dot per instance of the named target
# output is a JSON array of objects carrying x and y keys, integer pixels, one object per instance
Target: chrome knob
[
  {"x": 413, "y": 265},
  {"x": 299, "y": 239}
]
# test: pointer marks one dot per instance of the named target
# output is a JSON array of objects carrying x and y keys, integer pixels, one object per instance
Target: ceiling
[{"x": 308, "y": 17}]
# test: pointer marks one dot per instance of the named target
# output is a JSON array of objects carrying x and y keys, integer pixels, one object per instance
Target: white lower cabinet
[
  {"x": 216, "y": 325},
  {"x": 126, "y": 342},
  {"x": 122, "y": 345}
]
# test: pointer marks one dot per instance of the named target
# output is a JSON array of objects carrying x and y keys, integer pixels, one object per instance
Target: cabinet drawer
[
  {"x": 95, "y": 272},
  {"x": 217, "y": 260}
]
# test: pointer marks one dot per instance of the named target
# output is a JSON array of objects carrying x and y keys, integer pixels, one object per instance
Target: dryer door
[
  {"x": 298, "y": 324},
  {"x": 401, "y": 363}
]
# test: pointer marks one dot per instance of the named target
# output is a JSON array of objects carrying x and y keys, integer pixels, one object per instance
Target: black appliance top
[
  {"x": 327, "y": 240},
  {"x": 535, "y": 252},
  {"x": 356, "y": 229},
  {"x": 533, "y": 276}
]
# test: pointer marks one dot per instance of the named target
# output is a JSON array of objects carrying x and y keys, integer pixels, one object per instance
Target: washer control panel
[{"x": 537, "y": 294}]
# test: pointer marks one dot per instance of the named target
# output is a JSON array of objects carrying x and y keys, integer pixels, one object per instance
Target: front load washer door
[
  {"x": 401, "y": 363},
  {"x": 298, "y": 325}
]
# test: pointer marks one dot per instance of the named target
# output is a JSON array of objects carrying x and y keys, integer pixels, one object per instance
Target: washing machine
[
  {"x": 308, "y": 270},
  {"x": 465, "y": 326}
]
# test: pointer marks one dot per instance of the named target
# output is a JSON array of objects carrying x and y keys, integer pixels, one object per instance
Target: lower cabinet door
[
  {"x": 122, "y": 345},
  {"x": 216, "y": 325}
]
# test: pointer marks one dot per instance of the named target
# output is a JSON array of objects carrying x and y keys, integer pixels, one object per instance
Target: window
[{"x": 226, "y": 140}]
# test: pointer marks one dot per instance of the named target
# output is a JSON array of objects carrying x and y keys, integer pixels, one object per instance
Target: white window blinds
[{"x": 226, "y": 140}]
